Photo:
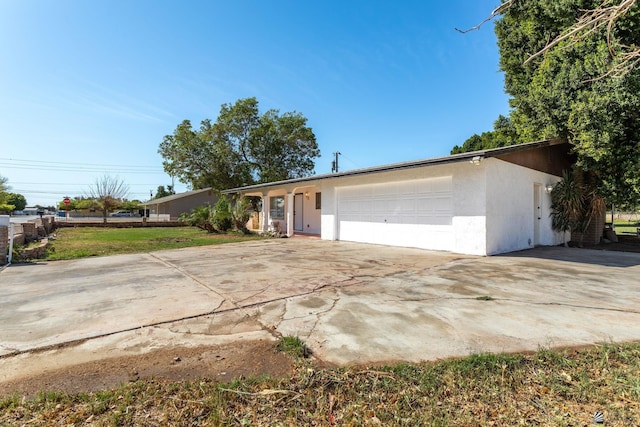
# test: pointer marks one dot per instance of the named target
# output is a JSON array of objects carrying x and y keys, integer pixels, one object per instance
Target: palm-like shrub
[
  {"x": 574, "y": 203},
  {"x": 241, "y": 211},
  {"x": 201, "y": 217},
  {"x": 222, "y": 217}
]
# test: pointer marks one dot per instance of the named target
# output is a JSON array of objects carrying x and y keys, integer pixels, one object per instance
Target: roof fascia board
[{"x": 398, "y": 166}]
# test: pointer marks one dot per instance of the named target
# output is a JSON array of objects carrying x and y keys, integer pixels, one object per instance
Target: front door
[{"x": 298, "y": 220}]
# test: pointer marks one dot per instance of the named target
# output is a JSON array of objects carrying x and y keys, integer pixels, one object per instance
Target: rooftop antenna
[{"x": 334, "y": 164}]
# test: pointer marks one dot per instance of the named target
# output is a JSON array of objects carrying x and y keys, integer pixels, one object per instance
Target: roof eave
[{"x": 494, "y": 152}]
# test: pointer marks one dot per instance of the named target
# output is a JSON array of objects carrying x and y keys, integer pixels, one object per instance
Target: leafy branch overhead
[
  {"x": 571, "y": 72},
  {"x": 603, "y": 15},
  {"x": 241, "y": 147}
]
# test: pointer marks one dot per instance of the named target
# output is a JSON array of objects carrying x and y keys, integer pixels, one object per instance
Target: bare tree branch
[
  {"x": 497, "y": 11},
  {"x": 592, "y": 20},
  {"x": 628, "y": 57},
  {"x": 108, "y": 191}
]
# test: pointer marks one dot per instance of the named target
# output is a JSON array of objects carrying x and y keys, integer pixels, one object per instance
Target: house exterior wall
[
  {"x": 469, "y": 221},
  {"x": 310, "y": 215},
  {"x": 511, "y": 208},
  {"x": 493, "y": 202},
  {"x": 465, "y": 233}
]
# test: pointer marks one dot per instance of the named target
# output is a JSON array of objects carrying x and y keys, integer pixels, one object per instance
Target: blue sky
[{"x": 91, "y": 87}]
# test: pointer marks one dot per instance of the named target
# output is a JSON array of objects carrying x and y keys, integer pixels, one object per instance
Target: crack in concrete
[
  {"x": 190, "y": 276},
  {"x": 587, "y": 307},
  {"x": 320, "y": 314},
  {"x": 261, "y": 291},
  {"x": 111, "y": 333}
]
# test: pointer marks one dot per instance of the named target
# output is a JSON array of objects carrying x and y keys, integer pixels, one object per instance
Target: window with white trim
[{"x": 276, "y": 207}]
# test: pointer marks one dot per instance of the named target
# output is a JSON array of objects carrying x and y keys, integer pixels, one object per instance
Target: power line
[
  {"x": 82, "y": 169},
  {"x": 72, "y": 163},
  {"x": 67, "y": 183},
  {"x": 42, "y": 165},
  {"x": 57, "y": 193}
]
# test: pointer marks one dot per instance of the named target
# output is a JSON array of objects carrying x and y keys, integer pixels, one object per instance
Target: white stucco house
[{"x": 481, "y": 203}]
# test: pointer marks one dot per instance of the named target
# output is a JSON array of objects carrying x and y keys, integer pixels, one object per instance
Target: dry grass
[{"x": 559, "y": 388}]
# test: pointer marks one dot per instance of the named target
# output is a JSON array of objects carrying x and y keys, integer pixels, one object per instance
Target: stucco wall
[
  {"x": 311, "y": 216},
  {"x": 465, "y": 234},
  {"x": 469, "y": 220},
  {"x": 492, "y": 207},
  {"x": 511, "y": 211}
]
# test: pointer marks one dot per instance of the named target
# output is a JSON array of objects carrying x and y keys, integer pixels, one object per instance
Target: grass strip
[{"x": 549, "y": 387}]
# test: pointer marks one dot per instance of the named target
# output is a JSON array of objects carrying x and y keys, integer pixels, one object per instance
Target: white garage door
[{"x": 405, "y": 213}]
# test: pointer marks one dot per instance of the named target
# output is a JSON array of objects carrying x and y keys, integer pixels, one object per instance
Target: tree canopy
[
  {"x": 5, "y": 206},
  {"x": 18, "y": 201},
  {"x": 502, "y": 135},
  {"x": 240, "y": 148},
  {"x": 161, "y": 191},
  {"x": 564, "y": 73}
]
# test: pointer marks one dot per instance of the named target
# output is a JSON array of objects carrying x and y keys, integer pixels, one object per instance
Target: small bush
[
  {"x": 200, "y": 217},
  {"x": 222, "y": 217},
  {"x": 241, "y": 212}
]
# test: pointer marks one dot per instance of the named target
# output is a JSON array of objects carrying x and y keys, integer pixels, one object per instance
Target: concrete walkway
[{"x": 351, "y": 303}]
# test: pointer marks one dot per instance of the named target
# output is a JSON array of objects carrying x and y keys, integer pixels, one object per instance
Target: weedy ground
[{"x": 549, "y": 387}]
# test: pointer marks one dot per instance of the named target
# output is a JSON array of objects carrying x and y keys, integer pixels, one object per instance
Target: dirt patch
[
  {"x": 221, "y": 362},
  {"x": 171, "y": 239}
]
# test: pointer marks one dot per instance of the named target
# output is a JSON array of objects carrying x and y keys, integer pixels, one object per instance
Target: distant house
[
  {"x": 483, "y": 203},
  {"x": 30, "y": 210},
  {"x": 169, "y": 208}
]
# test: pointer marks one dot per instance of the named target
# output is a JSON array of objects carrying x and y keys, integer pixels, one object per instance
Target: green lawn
[
  {"x": 626, "y": 227},
  {"x": 73, "y": 243}
]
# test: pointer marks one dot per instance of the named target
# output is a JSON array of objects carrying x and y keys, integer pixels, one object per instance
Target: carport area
[{"x": 351, "y": 303}]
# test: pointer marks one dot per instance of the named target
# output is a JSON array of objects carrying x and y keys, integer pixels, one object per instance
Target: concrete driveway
[{"x": 351, "y": 303}]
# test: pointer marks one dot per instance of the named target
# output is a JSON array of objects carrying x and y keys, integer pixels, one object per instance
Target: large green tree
[
  {"x": 570, "y": 71},
  {"x": 567, "y": 92},
  {"x": 17, "y": 200},
  {"x": 241, "y": 147}
]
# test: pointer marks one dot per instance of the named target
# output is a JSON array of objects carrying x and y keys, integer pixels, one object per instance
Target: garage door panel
[{"x": 407, "y": 213}]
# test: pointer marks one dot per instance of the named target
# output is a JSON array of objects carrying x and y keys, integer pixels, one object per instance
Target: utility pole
[{"x": 334, "y": 164}]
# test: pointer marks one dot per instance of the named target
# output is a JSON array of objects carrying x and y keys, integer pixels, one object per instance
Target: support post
[
  {"x": 265, "y": 210},
  {"x": 290, "y": 214}
]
